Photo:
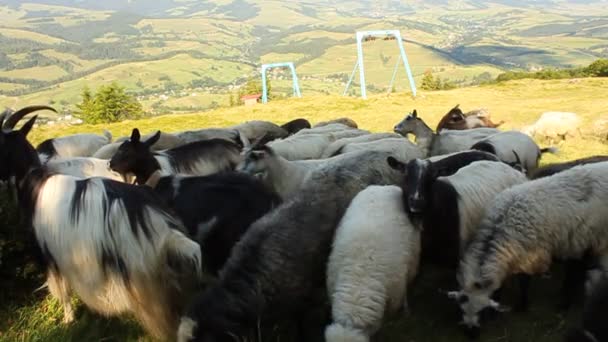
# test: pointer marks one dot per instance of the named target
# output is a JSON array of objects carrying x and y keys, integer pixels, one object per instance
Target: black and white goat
[
  {"x": 528, "y": 226},
  {"x": 510, "y": 146},
  {"x": 165, "y": 142},
  {"x": 281, "y": 260},
  {"x": 216, "y": 210},
  {"x": 83, "y": 167},
  {"x": 449, "y": 197},
  {"x": 200, "y": 158},
  {"x": 115, "y": 245}
]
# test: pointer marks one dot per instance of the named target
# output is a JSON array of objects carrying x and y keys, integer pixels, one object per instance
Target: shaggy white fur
[
  {"x": 375, "y": 255},
  {"x": 81, "y": 243},
  {"x": 528, "y": 225},
  {"x": 77, "y": 145}
]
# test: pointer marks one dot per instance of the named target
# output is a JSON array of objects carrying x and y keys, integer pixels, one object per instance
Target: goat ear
[
  {"x": 135, "y": 136},
  {"x": 27, "y": 127},
  {"x": 415, "y": 113},
  {"x": 153, "y": 139},
  {"x": 395, "y": 164}
]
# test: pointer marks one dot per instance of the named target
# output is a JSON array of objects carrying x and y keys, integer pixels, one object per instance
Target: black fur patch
[
  {"x": 135, "y": 200},
  {"x": 450, "y": 165},
  {"x": 47, "y": 148},
  {"x": 114, "y": 263},
  {"x": 484, "y": 146},
  {"x": 77, "y": 197},
  {"x": 441, "y": 233},
  {"x": 552, "y": 169},
  {"x": 296, "y": 125}
]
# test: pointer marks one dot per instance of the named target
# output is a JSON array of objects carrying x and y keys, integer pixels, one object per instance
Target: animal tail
[
  {"x": 339, "y": 333},
  {"x": 108, "y": 135},
  {"x": 552, "y": 150}
]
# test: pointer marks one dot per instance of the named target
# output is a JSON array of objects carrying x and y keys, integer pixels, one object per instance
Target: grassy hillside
[
  {"x": 49, "y": 49},
  {"x": 433, "y": 318}
]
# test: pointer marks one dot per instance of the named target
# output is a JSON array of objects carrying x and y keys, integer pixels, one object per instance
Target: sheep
[
  {"x": 334, "y": 147},
  {"x": 374, "y": 257},
  {"x": 448, "y": 198},
  {"x": 115, "y": 245},
  {"x": 455, "y": 119},
  {"x": 294, "y": 126},
  {"x": 232, "y": 135},
  {"x": 344, "y": 121},
  {"x": 76, "y": 145},
  {"x": 331, "y": 128},
  {"x": 552, "y": 169},
  {"x": 281, "y": 260},
  {"x": 256, "y": 129},
  {"x": 84, "y": 167},
  {"x": 552, "y": 125},
  {"x": 528, "y": 225},
  {"x": 300, "y": 147},
  {"x": 398, "y": 147},
  {"x": 511, "y": 145},
  {"x": 445, "y": 142},
  {"x": 593, "y": 327},
  {"x": 278, "y": 174},
  {"x": 200, "y": 158},
  {"x": 216, "y": 210}
]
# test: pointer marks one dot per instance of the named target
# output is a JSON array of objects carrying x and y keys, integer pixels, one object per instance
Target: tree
[
  {"x": 598, "y": 68},
  {"x": 428, "y": 81},
  {"x": 254, "y": 86},
  {"x": 110, "y": 104}
]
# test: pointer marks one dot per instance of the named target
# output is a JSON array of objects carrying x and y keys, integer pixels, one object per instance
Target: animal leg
[
  {"x": 524, "y": 287},
  {"x": 60, "y": 289},
  {"x": 574, "y": 275}
]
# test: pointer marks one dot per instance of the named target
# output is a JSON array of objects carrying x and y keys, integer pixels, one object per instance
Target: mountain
[{"x": 50, "y": 49}]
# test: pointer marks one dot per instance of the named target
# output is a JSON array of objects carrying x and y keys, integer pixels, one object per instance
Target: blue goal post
[{"x": 295, "y": 85}]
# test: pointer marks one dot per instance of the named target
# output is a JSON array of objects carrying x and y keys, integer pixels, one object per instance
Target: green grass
[{"x": 433, "y": 318}]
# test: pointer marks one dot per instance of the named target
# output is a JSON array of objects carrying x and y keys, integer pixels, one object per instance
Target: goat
[
  {"x": 445, "y": 142},
  {"x": 166, "y": 141},
  {"x": 114, "y": 244},
  {"x": 455, "y": 119},
  {"x": 529, "y": 225},
  {"x": 216, "y": 210},
  {"x": 337, "y": 145},
  {"x": 294, "y": 126},
  {"x": 199, "y": 158},
  {"x": 374, "y": 257},
  {"x": 448, "y": 198},
  {"x": 331, "y": 128},
  {"x": 256, "y": 129},
  {"x": 552, "y": 169},
  {"x": 76, "y": 145},
  {"x": 510, "y": 146},
  {"x": 282, "y": 258},
  {"x": 231, "y": 135},
  {"x": 344, "y": 121}
]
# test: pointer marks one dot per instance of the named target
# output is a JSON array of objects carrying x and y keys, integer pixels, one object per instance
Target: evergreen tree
[
  {"x": 428, "y": 81},
  {"x": 110, "y": 104}
]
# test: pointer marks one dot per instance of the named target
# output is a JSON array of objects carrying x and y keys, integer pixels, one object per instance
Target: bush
[{"x": 110, "y": 104}]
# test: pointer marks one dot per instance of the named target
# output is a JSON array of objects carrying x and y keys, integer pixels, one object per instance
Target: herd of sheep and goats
[{"x": 214, "y": 234}]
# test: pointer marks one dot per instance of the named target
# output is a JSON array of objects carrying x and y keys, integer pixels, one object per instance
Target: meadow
[{"x": 28, "y": 316}]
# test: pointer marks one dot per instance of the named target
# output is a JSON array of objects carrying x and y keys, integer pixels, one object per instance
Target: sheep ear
[
  {"x": 135, "y": 136},
  {"x": 27, "y": 127},
  {"x": 153, "y": 139},
  {"x": 395, "y": 164}
]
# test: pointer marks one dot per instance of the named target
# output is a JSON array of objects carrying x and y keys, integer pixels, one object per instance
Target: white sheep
[
  {"x": 527, "y": 226},
  {"x": 76, "y": 145},
  {"x": 401, "y": 148},
  {"x": 553, "y": 125},
  {"x": 302, "y": 146},
  {"x": 374, "y": 258},
  {"x": 334, "y": 147}
]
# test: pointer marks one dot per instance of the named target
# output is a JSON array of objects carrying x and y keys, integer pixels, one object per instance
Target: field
[{"x": 34, "y": 317}]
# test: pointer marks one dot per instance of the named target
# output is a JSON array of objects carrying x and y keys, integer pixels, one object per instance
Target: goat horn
[
  {"x": 153, "y": 179},
  {"x": 18, "y": 115},
  {"x": 2, "y": 117}
]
